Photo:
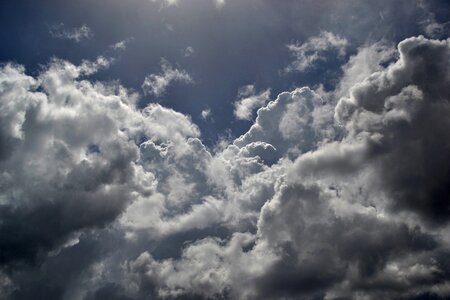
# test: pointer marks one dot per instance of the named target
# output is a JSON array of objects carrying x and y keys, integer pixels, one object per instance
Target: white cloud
[
  {"x": 315, "y": 49},
  {"x": 157, "y": 84},
  {"x": 293, "y": 123},
  {"x": 206, "y": 113},
  {"x": 122, "y": 45},
  {"x": 248, "y": 101},
  {"x": 76, "y": 34},
  {"x": 207, "y": 267},
  {"x": 368, "y": 59}
]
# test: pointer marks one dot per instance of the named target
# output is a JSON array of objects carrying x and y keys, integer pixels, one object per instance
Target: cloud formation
[
  {"x": 156, "y": 84},
  {"x": 205, "y": 114},
  {"x": 338, "y": 194},
  {"x": 76, "y": 34},
  {"x": 315, "y": 49},
  {"x": 248, "y": 101}
]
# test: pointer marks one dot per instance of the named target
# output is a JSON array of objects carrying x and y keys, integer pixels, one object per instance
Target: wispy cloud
[
  {"x": 122, "y": 45},
  {"x": 76, "y": 34},
  {"x": 206, "y": 113},
  {"x": 188, "y": 51},
  {"x": 156, "y": 84},
  {"x": 218, "y": 3},
  {"x": 248, "y": 101},
  {"x": 315, "y": 49}
]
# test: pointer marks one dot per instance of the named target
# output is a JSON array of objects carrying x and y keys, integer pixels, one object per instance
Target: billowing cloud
[
  {"x": 70, "y": 153},
  {"x": 398, "y": 109},
  {"x": 320, "y": 199},
  {"x": 156, "y": 84},
  {"x": 367, "y": 60},
  {"x": 293, "y": 123}
]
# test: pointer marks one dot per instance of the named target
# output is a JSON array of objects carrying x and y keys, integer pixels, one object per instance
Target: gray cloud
[{"x": 400, "y": 107}]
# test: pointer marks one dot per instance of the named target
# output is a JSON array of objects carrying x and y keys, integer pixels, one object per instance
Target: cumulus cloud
[
  {"x": 71, "y": 152},
  {"x": 397, "y": 107},
  {"x": 157, "y": 84},
  {"x": 336, "y": 223},
  {"x": 293, "y": 123},
  {"x": 315, "y": 49},
  {"x": 76, "y": 34},
  {"x": 319, "y": 199}
]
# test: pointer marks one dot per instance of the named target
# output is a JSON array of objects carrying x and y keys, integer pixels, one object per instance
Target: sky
[{"x": 224, "y": 149}]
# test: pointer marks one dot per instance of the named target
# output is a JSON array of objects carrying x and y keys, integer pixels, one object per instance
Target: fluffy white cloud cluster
[{"x": 320, "y": 199}]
